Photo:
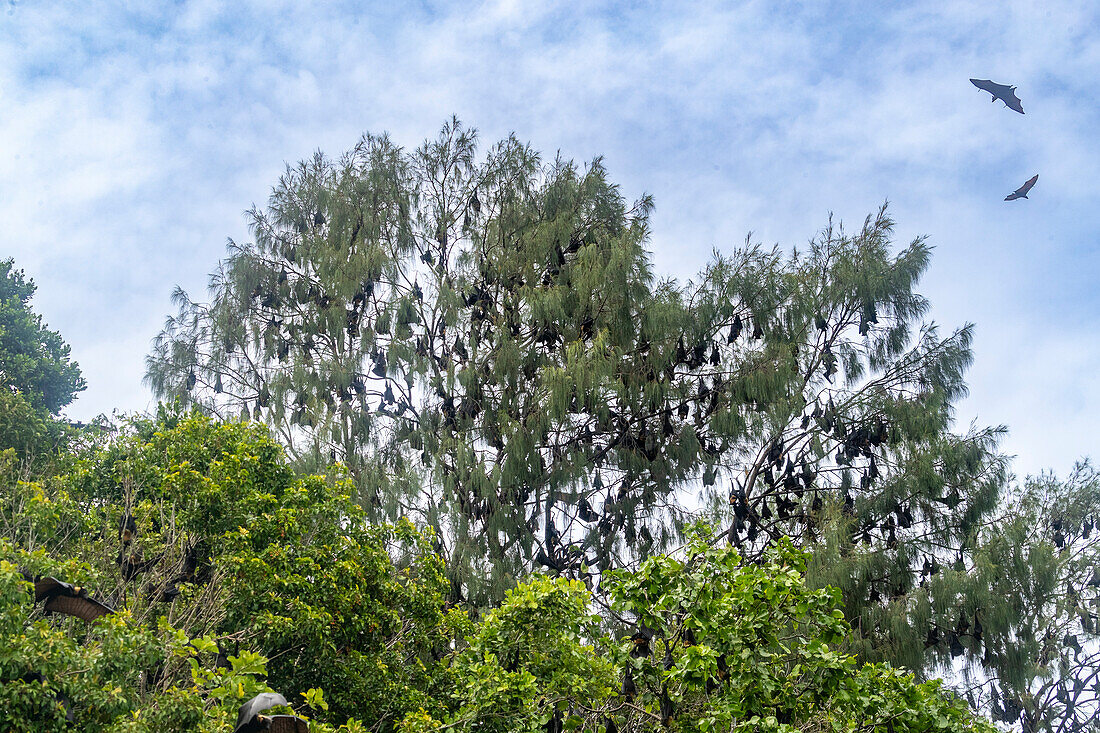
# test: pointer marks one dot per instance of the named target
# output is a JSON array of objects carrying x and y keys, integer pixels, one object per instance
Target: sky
[{"x": 133, "y": 136}]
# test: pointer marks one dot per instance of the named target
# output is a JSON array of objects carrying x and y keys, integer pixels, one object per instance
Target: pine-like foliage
[
  {"x": 1023, "y": 612},
  {"x": 483, "y": 343}
]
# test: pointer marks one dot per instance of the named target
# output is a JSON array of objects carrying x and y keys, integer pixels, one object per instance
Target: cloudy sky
[{"x": 132, "y": 139}]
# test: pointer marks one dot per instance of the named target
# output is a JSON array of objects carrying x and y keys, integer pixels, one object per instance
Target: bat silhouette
[
  {"x": 134, "y": 565},
  {"x": 1021, "y": 192},
  {"x": 1003, "y": 92},
  {"x": 71, "y": 600}
]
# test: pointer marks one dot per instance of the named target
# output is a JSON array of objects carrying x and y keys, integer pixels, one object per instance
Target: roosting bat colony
[
  {"x": 1007, "y": 94},
  {"x": 777, "y": 470}
]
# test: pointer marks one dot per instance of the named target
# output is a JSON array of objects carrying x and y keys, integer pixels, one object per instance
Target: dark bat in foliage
[
  {"x": 127, "y": 528},
  {"x": 1003, "y": 92},
  {"x": 735, "y": 329},
  {"x": 194, "y": 561},
  {"x": 1021, "y": 192},
  {"x": 162, "y": 594},
  {"x": 249, "y": 718},
  {"x": 61, "y": 597},
  {"x": 641, "y": 639},
  {"x": 34, "y": 678},
  {"x": 666, "y": 708},
  {"x": 586, "y": 512},
  {"x": 629, "y": 689},
  {"x": 133, "y": 565}
]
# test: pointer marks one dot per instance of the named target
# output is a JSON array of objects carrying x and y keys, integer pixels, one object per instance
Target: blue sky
[{"x": 133, "y": 136}]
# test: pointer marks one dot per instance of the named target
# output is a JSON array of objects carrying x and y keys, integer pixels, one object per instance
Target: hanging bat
[
  {"x": 165, "y": 593},
  {"x": 1021, "y": 192},
  {"x": 134, "y": 565},
  {"x": 70, "y": 600},
  {"x": 127, "y": 527},
  {"x": 641, "y": 639},
  {"x": 586, "y": 512},
  {"x": 1003, "y": 92}
]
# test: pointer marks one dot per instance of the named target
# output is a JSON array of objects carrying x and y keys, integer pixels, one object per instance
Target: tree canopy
[
  {"x": 253, "y": 579},
  {"x": 34, "y": 361},
  {"x": 485, "y": 346},
  {"x": 229, "y": 566}
]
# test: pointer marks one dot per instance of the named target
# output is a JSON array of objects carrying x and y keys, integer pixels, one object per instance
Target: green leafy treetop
[
  {"x": 231, "y": 567},
  {"x": 34, "y": 361},
  {"x": 484, "y": 345},
  {"x": 717, "y": 646},
  {"x": 257, "y": 580}
]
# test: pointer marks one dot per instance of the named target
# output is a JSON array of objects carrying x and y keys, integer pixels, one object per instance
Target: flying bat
[
  {"x": 1021, "y": 192},
  {"x": 1003, "y": 92},
  {"x": 249, "y": 719},
  {"x": 71, "y": 600}
]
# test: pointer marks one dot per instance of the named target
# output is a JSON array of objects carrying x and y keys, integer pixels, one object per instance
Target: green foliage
[
  {"x": 294, "y": 591},
  {"x": 482, "y": 342},
  {"x": 726, "y": 647},
  {"x": 51, "y": 670},
  {"x": 23, "y": 429},
  {"x": 323, "y": 599},
  {"x": 528, "y": 660},
  {"x": 753, "y": 647},
  {"x": 34, "y": 361},
  {"x": 1025, "y": 607},
  {"x": 287, "y": 583}
]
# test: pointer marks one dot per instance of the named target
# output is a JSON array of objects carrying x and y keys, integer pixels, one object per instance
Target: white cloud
[{"x": 143, "y": 136}]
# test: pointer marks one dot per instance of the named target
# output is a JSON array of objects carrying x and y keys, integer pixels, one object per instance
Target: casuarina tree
[{"x": 483, "y": 342}]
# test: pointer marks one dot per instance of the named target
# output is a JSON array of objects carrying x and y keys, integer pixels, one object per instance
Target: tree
[
  {"x": 25, "y": 430},
  {"x": 716, "y": 645},
  {"x": 56, "y": 676},
  {"x": 1025, "y": 613},
  {"x": 427, "y": 321},
  {"x": 34, "y": 361},
  {"x": 226, "y": 545},
  {"x": 264, "y": 581},
  {"x": 485, "y": 346}
]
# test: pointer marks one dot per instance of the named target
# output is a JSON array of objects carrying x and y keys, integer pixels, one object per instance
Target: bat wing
[
  {"x": 82, "y": 607},
  {"x": 257, "y": 705},
  {"x": 985, "y": 85},
  {"x": 1003, "y": 92},
  {"x": 1021, "y": 192},
  {"x": 50, "y": 586},
  {"x": 997, "y": 90},
  {"x": 288, "y": 724}
]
